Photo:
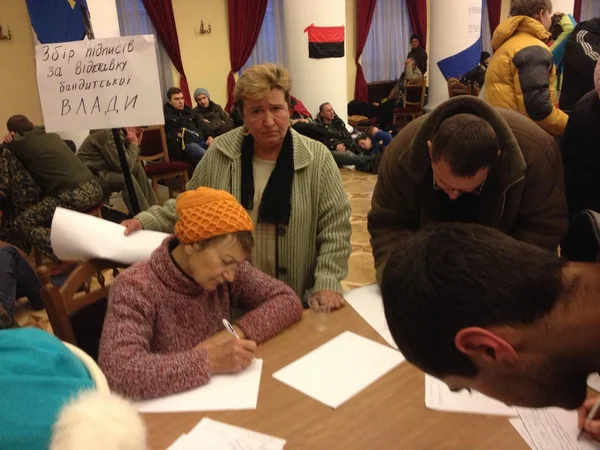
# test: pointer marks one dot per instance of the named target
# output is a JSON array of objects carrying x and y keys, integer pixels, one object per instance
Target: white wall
[
  {"x": 316, "y": 81},
  {"x": 105, "y": 23},
  {"x": 563, "y": 6},
  {"x": 105, "y": 20},
  {"x": 451, "y": 20}
]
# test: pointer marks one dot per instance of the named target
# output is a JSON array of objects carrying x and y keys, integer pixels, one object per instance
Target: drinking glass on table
[{"x": 320, "y": 312}]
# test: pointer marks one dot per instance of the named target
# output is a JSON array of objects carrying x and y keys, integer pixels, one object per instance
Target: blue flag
[
  {"x": 58, "y": 20},
  {"x": 458, "y": 65}
]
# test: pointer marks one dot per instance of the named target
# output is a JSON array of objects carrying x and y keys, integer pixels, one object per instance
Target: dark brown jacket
[{"x": 523, "y": 196}]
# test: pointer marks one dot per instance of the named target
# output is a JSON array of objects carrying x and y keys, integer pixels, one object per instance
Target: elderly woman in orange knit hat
[{"x": 163, "y": 328}]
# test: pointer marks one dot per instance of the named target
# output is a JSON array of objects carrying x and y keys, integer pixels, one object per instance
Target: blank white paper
[
  {"x": 593, "y": 381},
  {"x": 221, "y": 393},
  {"x": 180, "y": 444},
  {"x": 554, "y": 429},
  {"x": 212, "y": 435},
  {"x": 518, "y": 425},
  {"x": 439, "y": 397},
  {"x": 339, "y": 369},
  {"x": 367, "y": 302},
  {"x": 78, "y": 236}
]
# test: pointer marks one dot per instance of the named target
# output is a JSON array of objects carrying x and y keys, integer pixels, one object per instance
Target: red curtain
[
  {"x": 163, "y": 19},
  {"x": 494, "y": 9},
  {"x": 577, "y": 10},
  {"x": 364, "y": 16},
  {"x": 417, "y": 11},
  {"x": 245, "y": 21}
]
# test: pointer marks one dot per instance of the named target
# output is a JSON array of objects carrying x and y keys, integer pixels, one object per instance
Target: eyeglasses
[{"x": 436, "y": 187}]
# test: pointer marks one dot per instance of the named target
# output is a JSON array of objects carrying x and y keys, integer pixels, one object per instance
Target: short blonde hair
[{"x": 259, "y": 80}]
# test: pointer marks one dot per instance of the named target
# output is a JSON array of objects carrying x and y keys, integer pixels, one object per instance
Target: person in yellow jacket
[{"x": 521, "y": 75}]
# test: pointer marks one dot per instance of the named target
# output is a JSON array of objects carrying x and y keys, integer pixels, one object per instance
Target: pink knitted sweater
[{"x": 157, "y": 315}]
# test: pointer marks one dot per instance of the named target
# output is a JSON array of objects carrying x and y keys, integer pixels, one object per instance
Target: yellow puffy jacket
[{"x": 521, "y": 75}]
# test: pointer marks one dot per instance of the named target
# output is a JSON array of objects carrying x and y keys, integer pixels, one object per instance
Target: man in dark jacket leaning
[
  {"x": 64, "y": 180},
  {"x": 210, "y": 113},
  {"x": 469, "y": 162},
  {"x": 333, "y": 133},
  {"x": 187, "y": 137}
]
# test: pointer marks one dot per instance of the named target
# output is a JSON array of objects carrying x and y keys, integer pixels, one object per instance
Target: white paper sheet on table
[
  {"x": 223, "y": 392},
  {"x": 554, "y": 429},
  {"x": 212, "y": 435},
  {"x": 518, "y": 425},
  {"x": 439, "y": 397},
  {"x": 339, "y": 369},
  {"x": 78, "y": 236},
  {"x": 593, "y": 381},
  {"x": 180, "y": 444},
  {"x": 367, "y": 302}
]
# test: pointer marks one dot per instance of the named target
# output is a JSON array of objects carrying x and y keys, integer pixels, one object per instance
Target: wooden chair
[
  {"x": 155, "y": 157},
  {"x": 456, "y": 88},
  {"x": 414, "y": 101},
  {"x": 77, "y": 316}
]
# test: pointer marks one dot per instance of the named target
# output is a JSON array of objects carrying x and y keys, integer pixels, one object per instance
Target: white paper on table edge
[{"x": 366, "y": 386}]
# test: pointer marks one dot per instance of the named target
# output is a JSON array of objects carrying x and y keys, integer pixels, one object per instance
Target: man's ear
[{"x": 484, "y": 346}]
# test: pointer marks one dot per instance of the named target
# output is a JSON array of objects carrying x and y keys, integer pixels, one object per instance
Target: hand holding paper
[{"x": 78, "y": 236}]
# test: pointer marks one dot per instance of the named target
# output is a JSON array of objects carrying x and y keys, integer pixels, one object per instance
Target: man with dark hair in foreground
[
  {"x": 469, "y": 162},
  {"x": 481, "y": 310}
]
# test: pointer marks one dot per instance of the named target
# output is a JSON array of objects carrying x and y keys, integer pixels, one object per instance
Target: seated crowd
[{"x": 471, "y": 205}]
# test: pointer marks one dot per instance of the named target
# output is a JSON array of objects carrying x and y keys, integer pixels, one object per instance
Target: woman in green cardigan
[{"x": 289, "y": 184}]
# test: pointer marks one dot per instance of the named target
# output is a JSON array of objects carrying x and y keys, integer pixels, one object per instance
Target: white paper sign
[
  {"x": 102, "y": 83},
  {"x": 474, "y": 10}
]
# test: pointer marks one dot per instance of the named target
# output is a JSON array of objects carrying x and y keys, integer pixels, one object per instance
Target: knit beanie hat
[
  {"x": 597, "y": 78},
  {"x": 201, "y": 91},
  {"x": 205, "y": 213}
]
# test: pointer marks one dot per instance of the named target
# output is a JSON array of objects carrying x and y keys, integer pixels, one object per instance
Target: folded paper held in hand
[{"x": 78, "y": 237}]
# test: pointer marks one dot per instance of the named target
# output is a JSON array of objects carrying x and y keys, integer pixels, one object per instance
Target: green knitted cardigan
[{"x": 313, "y": 249}]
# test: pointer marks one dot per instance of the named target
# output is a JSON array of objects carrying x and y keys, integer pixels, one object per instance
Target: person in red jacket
[{"x": 163, "y": 331}]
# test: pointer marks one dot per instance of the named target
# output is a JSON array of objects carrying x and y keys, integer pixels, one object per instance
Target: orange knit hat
[{"x": 205, "y": 213}]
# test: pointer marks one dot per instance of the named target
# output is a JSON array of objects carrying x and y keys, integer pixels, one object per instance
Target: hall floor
[{"x": 359, "y": 187}]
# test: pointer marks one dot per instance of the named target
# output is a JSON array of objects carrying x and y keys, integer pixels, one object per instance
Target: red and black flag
[{"x": 325, "y": 42}]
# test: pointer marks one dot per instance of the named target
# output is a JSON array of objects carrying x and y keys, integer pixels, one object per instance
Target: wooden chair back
[
  {"x": 455, "y": 88},
  {"x": 76, "y": 310},
  {"x": 414, "y": 93},
  {"x": 153, "y": 147},
  {"x": 451, "y": 82}
]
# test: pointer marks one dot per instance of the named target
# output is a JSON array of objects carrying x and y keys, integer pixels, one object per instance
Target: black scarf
[{"x": 276, "y": 203}]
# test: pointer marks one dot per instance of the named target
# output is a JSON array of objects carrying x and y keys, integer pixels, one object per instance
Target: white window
[
  {"x": 388, "y": 41},
  {"x": 133, "y": 19},
  {"x": 270, "y": 45}
]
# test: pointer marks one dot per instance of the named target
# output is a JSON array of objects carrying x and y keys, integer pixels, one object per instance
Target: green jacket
[
  {"x": 49, "y": 160},
  {"x": 99, "y": 152},
  {"x": 315, "y": 246}
]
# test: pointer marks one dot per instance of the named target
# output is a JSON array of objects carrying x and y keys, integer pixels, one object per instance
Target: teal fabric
[{"x": 38, "y": 375}]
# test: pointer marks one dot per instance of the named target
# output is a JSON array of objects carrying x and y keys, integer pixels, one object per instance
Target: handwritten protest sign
[{"x": 102, "y": 83}]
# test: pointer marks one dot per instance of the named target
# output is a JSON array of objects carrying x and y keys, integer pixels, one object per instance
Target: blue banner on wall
[
  {"x": 458, "y": 65},
  {"x": 58, "y": 20}
]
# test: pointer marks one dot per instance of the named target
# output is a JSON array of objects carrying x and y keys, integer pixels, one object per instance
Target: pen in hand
[
  {"x": 591, "y": 416},
  {"x": 230, "y": 328}
]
